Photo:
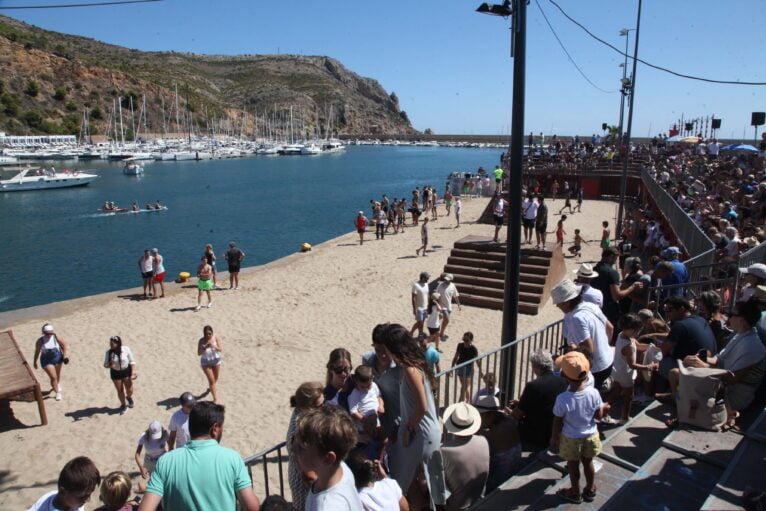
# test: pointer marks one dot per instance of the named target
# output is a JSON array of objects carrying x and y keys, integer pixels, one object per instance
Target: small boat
[
  {"x": 311, "y": 149},
  {"x": 132, "y": 168},
  {"x": 333, "y": 146},
  {"x": 291, "y": 149},
  {"x": 35, "y": 178}
]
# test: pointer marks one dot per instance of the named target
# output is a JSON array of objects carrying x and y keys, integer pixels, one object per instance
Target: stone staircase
[
  {"x": 645, "y": 465},
  {"x": 478, "y": 267}
]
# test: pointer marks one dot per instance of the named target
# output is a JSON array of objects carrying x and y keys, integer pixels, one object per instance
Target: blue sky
[{"x": 450, "y": 66}]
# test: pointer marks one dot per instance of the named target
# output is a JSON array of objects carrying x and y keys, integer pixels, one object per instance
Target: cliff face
[{"x": 48, "y": 79}]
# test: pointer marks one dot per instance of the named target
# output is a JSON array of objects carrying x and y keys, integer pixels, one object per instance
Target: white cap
[
  {"x": 155, "y": 430},
  {"x": 47, "y": 328},
  {"x": 756, "y": 270}
]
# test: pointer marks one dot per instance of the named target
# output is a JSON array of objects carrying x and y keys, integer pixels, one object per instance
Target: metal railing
[
  {"x": 698, "y": 246},
  {"x": 756, "y": 254},
  {"x": 726, "y": 289},
  {"x": 270, "y": 457},
  {"x": 449, "y": 386}
]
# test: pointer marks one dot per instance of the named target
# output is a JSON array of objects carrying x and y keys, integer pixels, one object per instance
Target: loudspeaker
[
  {"x": 758, "y": 119},
  {"x": 716, "y": 124},
  {"x": 689, "y": 126},
  {"x": 604, "y": 126}
]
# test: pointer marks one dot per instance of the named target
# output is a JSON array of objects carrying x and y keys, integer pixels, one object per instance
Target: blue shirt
[{"x": 432, "y": 358}]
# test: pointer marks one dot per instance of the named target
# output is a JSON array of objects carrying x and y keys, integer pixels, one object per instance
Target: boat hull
[{"x": 43, "y": 184}]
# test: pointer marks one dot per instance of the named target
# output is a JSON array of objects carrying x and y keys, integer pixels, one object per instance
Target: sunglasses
[{"x": 341, "y": 370}]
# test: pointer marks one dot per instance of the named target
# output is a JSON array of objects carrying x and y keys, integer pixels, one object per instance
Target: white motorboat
[
  {"x": 291, "y": 149},
  {"x": 333, "y": 146},
  {"x": 8, "y": 160},
  {"x": 142, "y": 156},
  {"x": 186, "y": 155},
  {"x": 311, "y": 149},
  {"x": 35, "y": 178},
  {"x": 268, "y": 149},
  {"x": 132, "y": 168}
]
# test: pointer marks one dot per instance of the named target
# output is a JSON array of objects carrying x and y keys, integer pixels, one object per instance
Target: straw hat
[
  {"x": 585, "y": 271},
  {"x": 564, "y": 291},
  {"x": 487, "y": 403},
  {"x": 461, "y": 419}
]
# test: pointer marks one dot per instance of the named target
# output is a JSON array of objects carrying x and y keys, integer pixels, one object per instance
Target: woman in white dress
[{"x": 209, "y": 351}]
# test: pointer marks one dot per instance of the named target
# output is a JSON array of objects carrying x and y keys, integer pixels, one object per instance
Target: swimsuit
[{"x": 205, "y": 285}]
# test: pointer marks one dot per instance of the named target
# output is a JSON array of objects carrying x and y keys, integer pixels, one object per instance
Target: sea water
[{"x": 57, "y": 245}]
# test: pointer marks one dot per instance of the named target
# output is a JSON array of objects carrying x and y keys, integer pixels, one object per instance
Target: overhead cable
[{"x": 66, "y": 6}]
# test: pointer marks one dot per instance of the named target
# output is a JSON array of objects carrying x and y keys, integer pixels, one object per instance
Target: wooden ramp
[
  {"x": 478, "y": 266},
  {"x": 16, "y": 377}
]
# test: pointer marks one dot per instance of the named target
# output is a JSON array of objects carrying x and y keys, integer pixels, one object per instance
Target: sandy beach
[{"x": 277, "y": 331}]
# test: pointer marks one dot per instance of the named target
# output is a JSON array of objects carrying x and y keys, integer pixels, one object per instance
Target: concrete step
[
  {"x": 641, "y": 437},
  {"x": 492, "y": 274},
  {"x": 495, "y": 265},
  {"x": 523, "y": 489},
  {"x": 469, "y": 280},
  {"x": 497, "y": 303},
  {"x": 499, "y": 257},
  {"x": 496, "y": 293}
]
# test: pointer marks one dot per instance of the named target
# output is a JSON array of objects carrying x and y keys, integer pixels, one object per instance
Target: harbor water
[{"x": 57, "y": 245}]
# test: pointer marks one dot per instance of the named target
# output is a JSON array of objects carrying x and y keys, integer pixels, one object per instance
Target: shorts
[
  {"x": 499, "y": 220},
  {"x": 160, "y": 277},
  {"x": 51, "y": 358},
  {"x": 424, "y": 240},
  {"x": 497, "y": 180},
  {"x": 150, "y": 463},
  {"x": 147, "y": 274},
  {"x": 421, "y": 314},
  {"x": 446, "y": 312},
  {"x": 233, "y": 268},
  {"x": 433, "y": 331},
  {"x": 206, "y": 362},
  {"x": 573, "y": 449},
  {"x": 448, "y": 202},
  {"x": 116, "y": 375},
  {"x": 360, "y": 231},
  {"x": 600, "y": 377},
  {"x": 465, "y": 371},
  {"x": 205, "y": 285},
  {"x": 528, "y": 222},
  {"x": 541, "y": 228},
  {"x": 575, "y": 248}
]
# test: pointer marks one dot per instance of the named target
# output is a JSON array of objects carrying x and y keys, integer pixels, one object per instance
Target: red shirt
[{"x": 361, "y": 222}]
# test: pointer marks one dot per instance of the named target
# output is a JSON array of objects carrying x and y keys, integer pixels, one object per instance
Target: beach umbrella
[
  {"x": 690, "y": 140},
  {"x": 747, "y": 148},
  {"x": 675, "y": 138}
]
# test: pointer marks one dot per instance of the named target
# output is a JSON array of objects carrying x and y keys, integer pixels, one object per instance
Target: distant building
[{"x": 36, "y": 140}]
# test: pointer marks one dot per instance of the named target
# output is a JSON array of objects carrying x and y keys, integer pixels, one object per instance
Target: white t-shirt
[
  {"x": 341, "y": 497},
  {"x": 153, "y": 449},
  {"x": 587, "y": 321},
  {"x": 123, "y": 361},
  {"x": 743, "y": 350},
  {"x": 530, "y": 209},
  {"x": 179, "y": 423},
  {"x": 51, "y": 343},
  {"x": 447, "y": 291},
  {"x": 434, "y": 319},
  {"x": 458, "y": 206},
  {"x": 159, "y": 267},
  {"x": 592, "y": 295},
  {"x": 712, "y": 148},
  {"x": 365, "y": 403},
  {"x": 577, "y": 410},
  {"x": 383, "y": 496},
  {"x": 45, "y": 503},
  {"x": 421, "y": 294},
  {"x": 621, "y": 371}
]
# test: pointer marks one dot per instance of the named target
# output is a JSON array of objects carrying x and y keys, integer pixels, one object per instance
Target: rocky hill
[{"x": 50, "y": 82}]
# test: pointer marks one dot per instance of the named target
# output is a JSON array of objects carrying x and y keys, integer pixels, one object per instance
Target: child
[
  {"x": 624, "y": 370},
  {"x": 465, "y": 351},
  {"x": 376, "y": 490},
  {"x": 276, "y": 503},
  {"x": 560, "y": 232},
  {"x": 458, "y": 210},
  {"x": 423, "y": 237},
  {"x": 365, "y": 402},
  {"x": 115, "y": 491},
  {"x": 434, "y": 320},
  {"x": 576, "y": 248},
  {"x": 490, "y": 388},
  {"x": 323, "y": 438},
  {"x": 567, "y": 202},
  {"x": 432, "y": 357},
  {"x": 605, "y": 234},
  {"x": 77, "y": 481},
  {"x": 155, "y": 439},
  {"x": 574, "y": 426}
]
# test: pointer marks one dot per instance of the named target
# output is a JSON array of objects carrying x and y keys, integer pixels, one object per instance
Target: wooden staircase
[{"x": 478, "y": 267}]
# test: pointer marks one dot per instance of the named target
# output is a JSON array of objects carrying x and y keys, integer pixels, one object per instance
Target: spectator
[
  {"x": 417, "y": 447},
  {"x": 608, "y": 282},
  {"x": 377, "y": 491},
  {"x": 652, "y": 329},
  {"x": 465, "y": 351},
  {"x": 365, "y": 404},
  {"x": 466, "y": 456},
  {"x": 574, "y": 427},
  {"x": 434, "y": 320},
  {"x": 585, "y": 326},
  {"x": 625, "y": 364},
  {"x": 753, "y": 276},
  {"x": 338, "y": 384},
  {"x": 502, "y": 433},
  {"x": 490, "y": 388},
  {"x": 590, "y": 294},
  {"x": 323, "y": 438},
  {"x": 307, "y": 397},
  {"x": 203, "y": 475},
  {"x": 419, "y": 297},
  {"x": 689, "y": 333},
  {"x": 387, "y": 375},
  {"x": 115, "y": 492},
  {"x": 154, "y": 440},
  {"x": 534, "y": 411},
  {"x": 709, "y": 308},
  {"x": 276, "y": 503},
  {"x": 77, "y": 481},
  {"x": 179, "y": 422},
  {"x": 447, "y": 293},
  {"x": 433, "y": 358}
]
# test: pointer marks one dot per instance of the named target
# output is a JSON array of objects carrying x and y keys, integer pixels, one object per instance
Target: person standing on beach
[
  {"x": 498, "y": 211},
  {"x": 458, "y": 210},
  {"x": 210, "y": 256},
  {"x": 159, "y": 273},
  {"x": 434, "y": 198},
  {"x": 423, "y": 237},
  {"x": 420, "y": 302},
  {"x": 179, "y": 422},
  {"x": 498, "y": 178},
  {"x": 361, "y": 226},
  {"x": 146, "y": 267},
  {"x": 380, "y": 223},
  {"x": 122, "y": 370},
  {"x": 234, "y": 257},
  {"x": 529, "y": 208},
  {"x": 448, "y": 199},
  {"x": 401, "y": 214},
  {"x": 209, "y": 350},
  {"x": 204, "y": 283},
  {"x": 541, "y": 222},
  {"x": 52, "y": 351}
]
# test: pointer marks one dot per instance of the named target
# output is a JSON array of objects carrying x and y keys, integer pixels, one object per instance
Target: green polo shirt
[
  {"x": 199, "y": 476},
  {"x": 499, "y": 173}
]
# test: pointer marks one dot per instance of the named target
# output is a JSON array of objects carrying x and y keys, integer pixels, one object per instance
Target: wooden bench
[{"x": 16, "y": 377}]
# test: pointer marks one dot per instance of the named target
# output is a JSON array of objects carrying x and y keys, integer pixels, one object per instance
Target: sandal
[
  {"x": 589, "y": 494},
  {"x": 569, "y": 495}
]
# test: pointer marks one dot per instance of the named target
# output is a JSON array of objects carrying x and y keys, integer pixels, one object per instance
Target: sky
[{"x": 451, "y": 66}]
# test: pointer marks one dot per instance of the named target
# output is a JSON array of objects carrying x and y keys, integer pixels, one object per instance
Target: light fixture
[
  {"x": 625, "y": 31},
  {"x": 626, "y": 83},
  {"x": 503, "y": 10}
]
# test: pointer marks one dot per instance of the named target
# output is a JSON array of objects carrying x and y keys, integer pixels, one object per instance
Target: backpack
[{"x": 697, "y": 397}]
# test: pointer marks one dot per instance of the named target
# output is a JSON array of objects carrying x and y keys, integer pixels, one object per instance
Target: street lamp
[
  {"x": 513, "y": 242},
  {"x": 624, "y": 32}
]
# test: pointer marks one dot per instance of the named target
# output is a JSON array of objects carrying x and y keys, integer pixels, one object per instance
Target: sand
[{"x": 277, "y": 332}]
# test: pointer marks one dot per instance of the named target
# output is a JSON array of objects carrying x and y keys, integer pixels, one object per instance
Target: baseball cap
[
  {"x": 187, "y": 399},
  {"x": 48, "y": 329},
  {"x": 425, "y": 275},
  {"x": 155, "y": 430},
  {"x": 574, "y": 365}
]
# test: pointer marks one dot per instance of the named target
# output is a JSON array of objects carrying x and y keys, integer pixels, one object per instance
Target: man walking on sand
[
  {"x": 423, "y": 237},
  {"x": 361, "y": 226},
  {"x": 420, "y": 302},
  {"x": 447, "y": 291},
  {"x": 204, "y": 282},
  {"x": 234, "y": 257},
  {"x": 458, "y": 210}
]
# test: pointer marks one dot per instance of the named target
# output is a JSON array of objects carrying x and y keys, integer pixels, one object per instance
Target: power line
[
  {"x": 65, "y": 6},
  {"x": 570, "y": 56},
  {"x": 654, "y": 66}
]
